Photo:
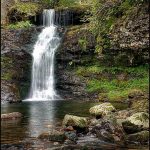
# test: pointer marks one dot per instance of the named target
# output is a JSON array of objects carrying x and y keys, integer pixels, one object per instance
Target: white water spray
[{"x": 43, "y": 83}]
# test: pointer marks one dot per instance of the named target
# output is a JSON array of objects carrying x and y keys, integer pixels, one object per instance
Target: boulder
[
  {"x": 140, "y": 104},
  {"x": 75, "y": 121},
  {"x": 71, "y": 135},
  {"x": 102, "y": 109},
  {"x": 9, "y": 116},
  {"x": 142, "y": 137},
  {"x": 137, "y": 122},
  {"x": 135, "y": 93},
  {"x": 109, "y": 132},
  {"x": 140, "y": 119},
  {"x": 123, "y": 114}
]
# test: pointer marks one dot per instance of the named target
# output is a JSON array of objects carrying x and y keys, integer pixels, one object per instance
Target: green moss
[
  {"x": 6, "y": 62},
  {"x": 6, "y": 76},
  {"x": 21, "y": 24},
  {"x": 29, "y": 8},
  {"x": 106, "y": 80}
]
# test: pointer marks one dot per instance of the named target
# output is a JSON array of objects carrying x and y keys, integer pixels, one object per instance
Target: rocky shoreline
[{"x": 104, "y": 128}]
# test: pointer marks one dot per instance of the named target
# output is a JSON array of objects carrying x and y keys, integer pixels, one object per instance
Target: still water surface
[{"x": 38, "y": 116}]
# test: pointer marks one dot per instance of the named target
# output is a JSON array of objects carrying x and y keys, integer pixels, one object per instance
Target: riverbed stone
[
  {"x": 102, "y": 109},
  {"x": 75, "y": 121},
  {"x": 109, "y": 132},
  {"x": 137, "y": 122},
  {"x": 140, "y": 119},
  {"x": 71, "y": 135},
  {"x": 10, "y": 116},
  {"x": 53, "y": 135},
  {"x": 142, "y": 137}
]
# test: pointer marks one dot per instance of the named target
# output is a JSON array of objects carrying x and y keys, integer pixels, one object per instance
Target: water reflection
[{"x": 39, "y": 116}]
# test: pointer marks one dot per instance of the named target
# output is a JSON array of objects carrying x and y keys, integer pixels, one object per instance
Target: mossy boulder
[
  {"x": 135, "y": 93},
  {"x": 102, "y": 109},
  {"x": 123, "y": 114},
  {"x": 140, "y": 119},
  {"x": 75, "y": 121},
  {"x": 129, "y": 127},
  {"x": 142, "y": 137},
  {"x": 141, "y": 104},
  {"x": 137, "y": 122}
]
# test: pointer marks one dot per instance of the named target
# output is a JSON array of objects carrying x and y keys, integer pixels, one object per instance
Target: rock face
[
  {"x": 129, "y": 39},
  {"x": 72, "y": 54},
  {"x": 11, "y": 116},
  {"x": 16, "y": 59},
  {"x": 5, "y": 5},
  {"x": 102, "y": 109},
  {"x": 75, "y": 121}
]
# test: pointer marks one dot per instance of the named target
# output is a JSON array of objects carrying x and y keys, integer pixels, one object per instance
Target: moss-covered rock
[
  {"x": 75, "y": 121},
  {"x": 141, "y": 104},
  {"x": 102, "y": 109},
  {"x": 129, "y": 127},
  {"x": 137, "y": 122},
  {"x": 140, "y": 119},
  {"x": 142, "y": 137},
  {"x": 135, "y": 93},
  {"x": 123, "y": 114}
]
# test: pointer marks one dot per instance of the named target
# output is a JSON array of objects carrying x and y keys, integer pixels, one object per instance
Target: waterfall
[{"x": 43, "y": 82}]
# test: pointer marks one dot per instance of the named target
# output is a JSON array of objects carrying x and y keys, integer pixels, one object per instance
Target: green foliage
[
  {"x": 83, "y": 43},
  {"x": 6, "y": 76},
  {"x": 29, "y": 8},
  {"x": 104, "y": 15},
  {"x": 67, "y": 3},
  {"x": 50, "y": 3},
  {"x": 21, "y": 24},
  {"x": 114, "y": 88}
]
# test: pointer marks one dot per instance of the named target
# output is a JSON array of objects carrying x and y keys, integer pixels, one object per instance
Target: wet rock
[
  {"x": 75, "y": 121},
  {"x": 69, "y": 128},
  {"x": 136, "y": 122},
  {"x": 94, "y": 122},
  {"x": 12, "y": 147},
  {"x": 53, "y": 135},
  {"x": 9, "y": 116},
  {"x": 109, "y": 132},
  {"x": 44, "y": 136},
  {"x": 71, "y": 135},
  {"x": 140, "y": 119},
  {"x": 102, "y": 109},
  {"x": 123, "y": 114},
  {"x": 69, "y": 142},
  {"x": 130, "y": 128},
  {"x": 142, "y": 137}
]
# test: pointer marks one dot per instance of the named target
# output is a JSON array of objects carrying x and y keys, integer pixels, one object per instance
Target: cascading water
[{"x": 43, "y": 85}]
